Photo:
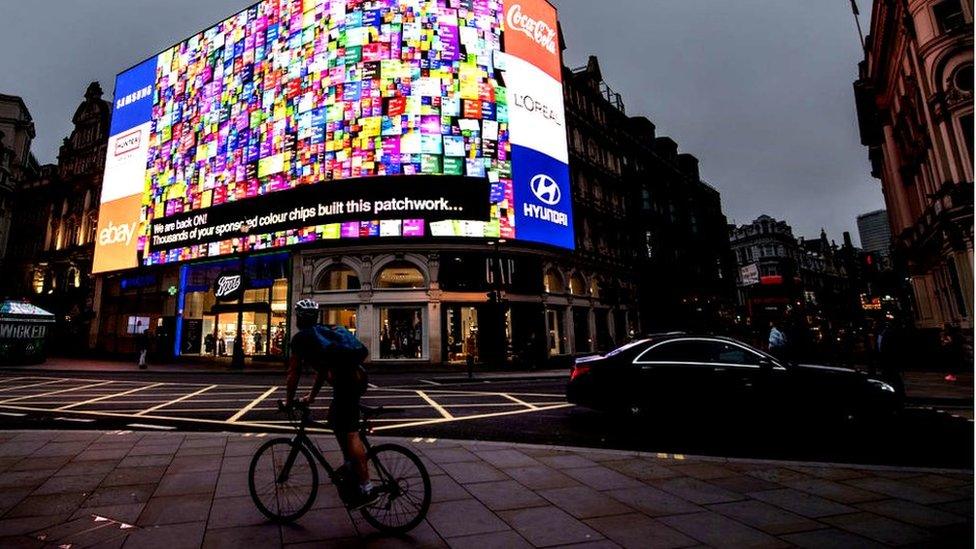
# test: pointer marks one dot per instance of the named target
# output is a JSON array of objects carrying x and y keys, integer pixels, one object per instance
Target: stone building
[
  {"x": 55, "y": 224},
  {"x": 914, "y": 98},
  {"x": 17, "y": 164},
  {"x": 651, "y": 206}
]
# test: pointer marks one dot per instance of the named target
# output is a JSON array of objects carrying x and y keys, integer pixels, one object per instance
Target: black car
[{"x": 720, "y": 377}]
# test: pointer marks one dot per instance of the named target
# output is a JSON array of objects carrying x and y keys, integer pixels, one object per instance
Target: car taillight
[{"x": 578, "y": 370}]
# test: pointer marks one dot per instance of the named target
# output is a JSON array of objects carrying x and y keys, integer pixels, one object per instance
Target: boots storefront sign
[{"x": 229, "y": 286}]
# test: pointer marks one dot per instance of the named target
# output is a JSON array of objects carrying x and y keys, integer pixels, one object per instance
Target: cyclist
[{"x": 336, "y": 355}]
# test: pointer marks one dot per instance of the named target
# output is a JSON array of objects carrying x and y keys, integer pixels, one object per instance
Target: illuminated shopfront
[{"x": 208, "y": 326}]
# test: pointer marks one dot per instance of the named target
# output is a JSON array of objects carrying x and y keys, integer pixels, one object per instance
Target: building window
[
  {"x": 576, "y": 285},
  {"x": 137, "y": 324},
  {"x": 400, "y": 274},
  {"x": 340, "y": 316},
  {"x": 38, "y": 281},
  {"x": 949, "y": 15},
  {"x": 962, "y": 79},
  {"x": 553, "y": 282},
  {"x": 401, "y": 333},
  {"x": 340, "y": 277},
  {"x": 967, "y": 131}
]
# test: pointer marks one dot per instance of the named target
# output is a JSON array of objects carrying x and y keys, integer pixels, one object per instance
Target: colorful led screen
[{"x": 296, "y": 121}]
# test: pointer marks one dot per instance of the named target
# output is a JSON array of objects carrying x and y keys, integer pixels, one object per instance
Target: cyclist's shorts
[{"x": 344, "y": 414}]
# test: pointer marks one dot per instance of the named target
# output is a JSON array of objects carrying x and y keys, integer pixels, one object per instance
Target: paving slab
[{"x": 190, "y": 490}]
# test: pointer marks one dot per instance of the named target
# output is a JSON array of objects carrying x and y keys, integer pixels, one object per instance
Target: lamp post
[{"x": 237, "y": 359}]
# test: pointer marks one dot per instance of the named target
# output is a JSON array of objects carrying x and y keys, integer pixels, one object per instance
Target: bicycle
[{"x": 283, "y": 479}]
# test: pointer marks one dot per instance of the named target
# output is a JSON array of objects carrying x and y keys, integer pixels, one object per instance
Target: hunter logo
[
  {"x": 128, "y": 142},
  {"x": 227, "y": 286}
]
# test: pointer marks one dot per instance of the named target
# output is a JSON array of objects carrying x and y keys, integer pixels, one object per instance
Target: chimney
[
  {"x": 666, "y": 148},
  {"x": 688, "y": 164}
]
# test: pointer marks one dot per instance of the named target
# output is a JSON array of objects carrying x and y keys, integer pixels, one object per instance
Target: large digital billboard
[{"x": 309, "y": 120}]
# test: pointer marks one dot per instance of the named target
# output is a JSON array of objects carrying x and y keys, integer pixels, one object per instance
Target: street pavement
[
  {"x": 73, "y": 489},
  {"x": 504, "y": 407}
]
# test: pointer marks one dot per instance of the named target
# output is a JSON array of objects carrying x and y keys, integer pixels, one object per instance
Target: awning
[{"x": 19, "y": 311}]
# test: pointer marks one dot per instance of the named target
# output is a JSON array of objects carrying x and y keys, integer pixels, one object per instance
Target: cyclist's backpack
[{"x": 345, "y": 353}]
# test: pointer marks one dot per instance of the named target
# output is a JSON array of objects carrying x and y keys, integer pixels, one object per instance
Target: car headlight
[{"x": 882, "y": 385}]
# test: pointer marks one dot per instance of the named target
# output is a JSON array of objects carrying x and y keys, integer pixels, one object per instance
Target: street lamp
[{"x": 237, "y": 359}]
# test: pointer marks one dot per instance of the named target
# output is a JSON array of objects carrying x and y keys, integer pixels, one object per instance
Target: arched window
[
  {"x": 596, "y": 288},
  {"x": 576, "y": 285},
  {"x": 336, "y": 278},
  {"x": 553, "y": 282},
  {"x": 400, "y": 274}
]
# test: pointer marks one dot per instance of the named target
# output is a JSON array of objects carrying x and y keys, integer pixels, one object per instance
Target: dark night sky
[{"x": 758, "y": 90}]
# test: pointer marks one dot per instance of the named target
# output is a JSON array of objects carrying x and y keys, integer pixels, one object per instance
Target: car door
[{"x": 677, "y": 374}]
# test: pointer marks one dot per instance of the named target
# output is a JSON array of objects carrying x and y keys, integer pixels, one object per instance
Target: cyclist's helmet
[{"x": 306, "y": 312}]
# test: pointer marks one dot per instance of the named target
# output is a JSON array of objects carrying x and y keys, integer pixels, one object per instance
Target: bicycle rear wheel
[
  {"x": 283, "y": 480},
  {"x": 404, "y": 487}
]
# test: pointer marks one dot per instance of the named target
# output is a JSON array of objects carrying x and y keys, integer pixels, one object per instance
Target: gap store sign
[{"x": 309, "y": 120}]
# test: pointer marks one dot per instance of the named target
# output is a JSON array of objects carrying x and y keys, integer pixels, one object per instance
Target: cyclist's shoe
[{"x": 363, "y": 499}]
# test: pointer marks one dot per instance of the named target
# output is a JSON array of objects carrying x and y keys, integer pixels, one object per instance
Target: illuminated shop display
[{"x": 340, "y": 119}]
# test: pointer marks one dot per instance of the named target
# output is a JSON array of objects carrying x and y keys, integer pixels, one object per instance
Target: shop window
[
  {"x": 576, "y": 285},
  {"x": 556, "y": 336},
  {"x": 401, "y": 333},
  {"x": 462, "y": 333},
  {"x": 340, "y": 316},
  {"x": 553, "y": 282},
  {"x": 400, "y": 274},
  {"x": 338, "y": 278},
  {"x": 38, "y": 281},
  {"x": 136, "y": 324}
]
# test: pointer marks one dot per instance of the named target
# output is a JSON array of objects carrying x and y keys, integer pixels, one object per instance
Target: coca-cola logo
[{"x": 539, "y": 31}]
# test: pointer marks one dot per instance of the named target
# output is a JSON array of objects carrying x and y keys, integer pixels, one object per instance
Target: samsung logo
[{"x": 133, "y": 97}]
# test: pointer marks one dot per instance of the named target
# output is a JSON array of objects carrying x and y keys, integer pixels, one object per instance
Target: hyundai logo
[{"x": 545, "y": 189}]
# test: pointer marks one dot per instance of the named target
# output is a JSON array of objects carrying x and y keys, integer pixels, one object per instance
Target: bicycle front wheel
[
  {"x": 283, "y": 480},
  {"x": 404, "y": 487}
]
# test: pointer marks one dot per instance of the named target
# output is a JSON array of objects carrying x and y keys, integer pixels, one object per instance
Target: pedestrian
[
  {"x": 777, "y": 341},
  {"x": 892, "y": 349},
  {"x": 258, "y": 342},
  {"x": 142, "y": 344},
  {"x": 951, "y": 350}
]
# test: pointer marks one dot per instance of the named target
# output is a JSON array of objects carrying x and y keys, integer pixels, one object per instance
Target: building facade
[
  {"x": 17, "y": 164},
  {"x": 875, "y": 234},
  {"x": 54, "y": 229},
  {"x": 914, "y": 98}
]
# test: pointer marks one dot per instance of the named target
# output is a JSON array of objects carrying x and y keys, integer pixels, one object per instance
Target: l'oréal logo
[{"x": 127, "y": 143}]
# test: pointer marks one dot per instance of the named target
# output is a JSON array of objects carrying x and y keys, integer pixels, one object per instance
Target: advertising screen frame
[{"x": 129, "y": 252}]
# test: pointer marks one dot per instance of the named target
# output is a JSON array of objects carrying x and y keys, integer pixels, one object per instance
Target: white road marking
[
  {"x": 428, "y": 382},
  {"x": 253, "y": 403},
  {"x": 435, "y": 405},
  {"x": 150, "y": 426},
  {"x": 8, "y": 389},
  {"x": 519, "y": 401},
  {"x": 9, "y": 400},
  {"x": 106, "y": 397},
  {"x": 75, "y": 419},
  {"x": 12, "y": 414},
  {"x": 465, "y": 418},
  {"x": 175, "y": 400}
]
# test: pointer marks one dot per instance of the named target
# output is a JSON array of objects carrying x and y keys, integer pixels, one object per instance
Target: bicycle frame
[{"x": 302, "y": 439}]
